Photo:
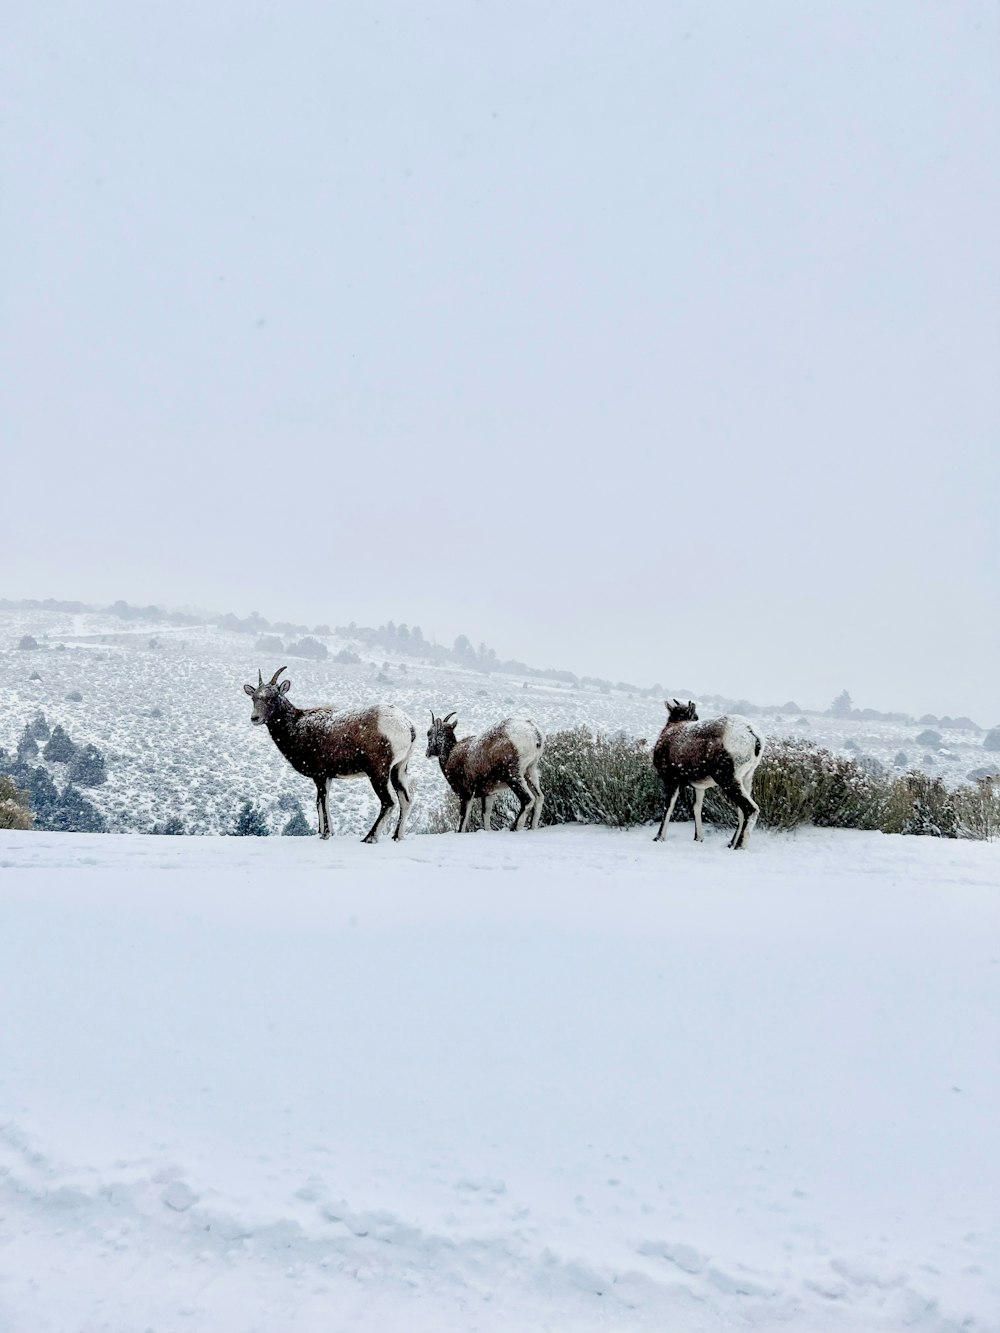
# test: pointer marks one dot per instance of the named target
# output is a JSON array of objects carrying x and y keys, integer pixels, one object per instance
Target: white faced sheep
[
  {"x": 478, "y": 766},
  {"x": 323, "y": 745},
  {"x": 720, "y": 752}
]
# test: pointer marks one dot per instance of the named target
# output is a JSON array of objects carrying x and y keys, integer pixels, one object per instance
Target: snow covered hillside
[
  {"x": 166, "y": 708},
  {"x": 571, "y": 1080}
]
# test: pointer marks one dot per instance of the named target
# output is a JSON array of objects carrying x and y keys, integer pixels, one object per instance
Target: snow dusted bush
[
  {"x": 309, "y": 647},
  {"x": 14, "y": 809},
  {"x": 599, "y": 780},
  {"x": 171, "y": 827},
  {"x": 610, "y": 780},
  {"x": 269, "y": 643},
  {"x": 932, "y": 739}
]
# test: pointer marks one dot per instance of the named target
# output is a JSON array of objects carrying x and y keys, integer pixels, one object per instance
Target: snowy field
[
  {"x": 200, "y": 757},
  {"x": 567, "y": 1080}
]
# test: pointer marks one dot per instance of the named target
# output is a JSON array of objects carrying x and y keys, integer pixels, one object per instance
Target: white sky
[{"x": 657, "y": 341}]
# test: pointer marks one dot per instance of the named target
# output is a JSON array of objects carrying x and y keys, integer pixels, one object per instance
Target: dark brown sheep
[{"x": 323, "y": 744}]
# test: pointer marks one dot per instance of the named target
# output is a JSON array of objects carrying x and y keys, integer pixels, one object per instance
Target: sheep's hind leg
[
  {"x": 523, "y": 793},
  {"x": 671, "y": 802},
  {"x": 488, "y": 800},
  {"x": 404, "y": 794},
  {"x": 464, "y": 811},
  {"x": 387, "y": 797},
  {"x": 531, "y": 778},
  {"x": 699, "y": 796},
  {"x": 747, "y": 809}
]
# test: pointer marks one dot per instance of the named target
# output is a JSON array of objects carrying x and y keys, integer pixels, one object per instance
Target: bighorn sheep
[
  {"x": 721, "y": 752},
  {"x": 323, "y": 744},
  {"x": 505, "y": 756}
]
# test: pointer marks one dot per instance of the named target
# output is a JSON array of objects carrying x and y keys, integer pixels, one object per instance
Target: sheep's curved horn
[
  {"x": 260, "y": 679},
  {"x": 433, "y": 718},
  {"x": 274, "y": 678},
  {"x": 448, "y": 718}
]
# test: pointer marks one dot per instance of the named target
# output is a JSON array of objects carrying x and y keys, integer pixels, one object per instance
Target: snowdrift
[{"x": 568, "y": 1080}]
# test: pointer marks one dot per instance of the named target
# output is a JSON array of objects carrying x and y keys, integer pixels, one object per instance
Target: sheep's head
[
  {"x": 678, "y": 712},
  {"x": 440, "y": 735},
  {"x": 266, "y": 695}
]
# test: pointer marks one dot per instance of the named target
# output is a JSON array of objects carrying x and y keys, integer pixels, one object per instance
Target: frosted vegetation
[{"x": 132, "y": 720}]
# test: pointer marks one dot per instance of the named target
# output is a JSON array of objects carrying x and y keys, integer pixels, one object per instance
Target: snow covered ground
[
  {"x": 568, "y": 1080},
  {"x": 198, "y": 758}
]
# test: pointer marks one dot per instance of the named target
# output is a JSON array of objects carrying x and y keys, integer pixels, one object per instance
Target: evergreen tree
[
  {"x": 297, "y": 827},
  {"x": 40, "y": 729},
  {"x": 41, "y": 789},
  {"x": 27, "y": 746},
  {"x": 250, "y": 822},
  {"x": 87, "y": 767},
  {"x": 841, "y": 706},
  {"x": 73, "y": 813},
  {"x": 60, "y": 749}
]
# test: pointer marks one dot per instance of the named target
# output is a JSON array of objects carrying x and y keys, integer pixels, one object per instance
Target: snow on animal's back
[
  {"x": 380, "y": 719},
  {"x": 394, "y": 724},
  {"x": 521, "y": 732},
  {"x": 742, "y": 738}
]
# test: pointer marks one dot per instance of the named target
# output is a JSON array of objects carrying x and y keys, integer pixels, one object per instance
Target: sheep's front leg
[
  {"x": 322, "y": 808},
  {"x": 465, "y": 810},
  {"x": 488, "y": 800}
]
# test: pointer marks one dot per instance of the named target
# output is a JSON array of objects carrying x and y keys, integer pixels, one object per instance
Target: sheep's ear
[
  {"x": 248, "y": 689},
  {"x": 284, "y": 687}
]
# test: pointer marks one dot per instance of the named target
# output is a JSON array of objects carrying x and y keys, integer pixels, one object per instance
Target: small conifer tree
[
  {"x": 297, "y": 827},
  {"x": 250, "y": 822},
  {"x": 40, "y": 728},
  {"x": 60, "y": 749},
  {"x": 27, "y": 746},
  {"x": 87, "y": 767}
]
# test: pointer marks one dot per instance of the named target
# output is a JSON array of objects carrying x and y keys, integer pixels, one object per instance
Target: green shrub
[
  {"x": 172, "y": 827},
  {"x": 14, "y": 811},
  {"x": 611, "y": 780}
]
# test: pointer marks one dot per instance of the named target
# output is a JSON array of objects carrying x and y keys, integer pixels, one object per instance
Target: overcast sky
[{"x": 652, "y": 340}]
